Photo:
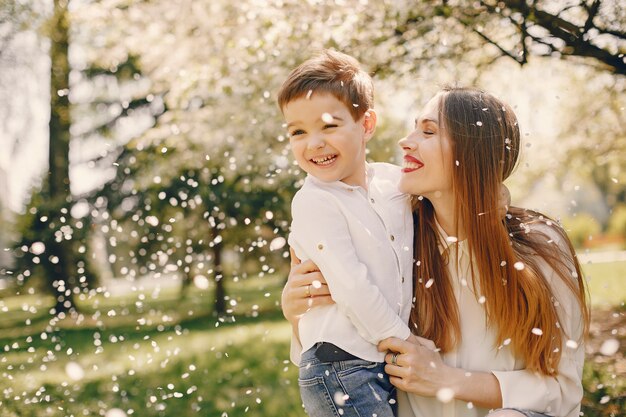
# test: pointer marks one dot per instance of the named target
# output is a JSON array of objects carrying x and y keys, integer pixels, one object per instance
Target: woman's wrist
[
  {"x": 480, "y": 388},
  {"x": 452, "y": 378}
]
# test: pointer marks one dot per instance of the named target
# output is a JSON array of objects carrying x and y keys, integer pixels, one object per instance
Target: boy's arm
[{"x": 319, "y": 229}]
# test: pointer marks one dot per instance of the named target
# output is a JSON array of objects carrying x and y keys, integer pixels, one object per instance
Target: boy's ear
[{"x": 369, "y": 123}]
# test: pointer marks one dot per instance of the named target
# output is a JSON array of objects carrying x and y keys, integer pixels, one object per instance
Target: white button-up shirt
[
  {"x": 362, "y": 242},
  {"x": 478, "y": 351}
]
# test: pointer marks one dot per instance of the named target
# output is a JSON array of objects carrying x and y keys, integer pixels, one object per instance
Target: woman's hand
[
  {"x": 305, "y": 289},
  {"x": 418, "y": 367}
]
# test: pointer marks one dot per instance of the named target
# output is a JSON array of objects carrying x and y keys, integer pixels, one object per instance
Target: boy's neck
[{"x": 359, "y": 177}]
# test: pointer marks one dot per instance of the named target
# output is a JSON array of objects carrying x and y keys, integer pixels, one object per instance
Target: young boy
[{"x": 351, "y": 220}]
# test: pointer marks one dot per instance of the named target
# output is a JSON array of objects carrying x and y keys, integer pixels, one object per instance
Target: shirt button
[
  {"x": 320, "y": 246},
  {"x": 372, "y": 200},
  {"x": 392, "y": 237},
  {"x": 403, "y": 279}
]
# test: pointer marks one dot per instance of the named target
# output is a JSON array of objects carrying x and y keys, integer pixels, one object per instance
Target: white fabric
[
  {"x": 558, "y": 396},
  {"x": 362, "y": 242}
]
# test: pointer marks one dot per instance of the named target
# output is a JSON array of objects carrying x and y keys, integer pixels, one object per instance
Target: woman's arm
[
  {"x": 305, "y": 289},
  {"x": 420, "y": 370}
]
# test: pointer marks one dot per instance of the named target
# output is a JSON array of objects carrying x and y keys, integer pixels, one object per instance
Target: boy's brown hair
[{"x": 330, "y": 72}]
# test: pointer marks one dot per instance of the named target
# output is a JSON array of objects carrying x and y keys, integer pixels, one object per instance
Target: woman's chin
[{"x": 406, "y": 187}]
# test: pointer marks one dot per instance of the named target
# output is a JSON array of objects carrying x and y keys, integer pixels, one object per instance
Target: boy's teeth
[{"x": 323, "y": 159}]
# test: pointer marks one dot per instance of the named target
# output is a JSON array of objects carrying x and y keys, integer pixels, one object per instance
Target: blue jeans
[{"x": 351, "y": 388}]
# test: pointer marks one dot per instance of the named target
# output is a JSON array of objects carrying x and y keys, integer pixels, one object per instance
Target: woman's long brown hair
[{"x": 485, "y": 140}]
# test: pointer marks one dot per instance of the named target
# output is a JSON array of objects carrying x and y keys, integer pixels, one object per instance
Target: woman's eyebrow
[{"x": 425, "y": 120}]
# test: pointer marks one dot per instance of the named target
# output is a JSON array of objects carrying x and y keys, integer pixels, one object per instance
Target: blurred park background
[{"x": 146, "y": 178}]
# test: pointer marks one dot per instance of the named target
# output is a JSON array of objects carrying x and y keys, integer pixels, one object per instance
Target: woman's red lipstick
[{"x": 411, "y": 164}]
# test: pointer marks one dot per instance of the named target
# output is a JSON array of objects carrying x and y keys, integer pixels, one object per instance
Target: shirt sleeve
[
  {"x": 559, "y": 395},
  {"x": 319, "y": 231},
  {"x": 295, "y": 349}
]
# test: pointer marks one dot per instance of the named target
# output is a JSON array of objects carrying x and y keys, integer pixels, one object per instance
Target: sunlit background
[{"x": 146, "y": 179}]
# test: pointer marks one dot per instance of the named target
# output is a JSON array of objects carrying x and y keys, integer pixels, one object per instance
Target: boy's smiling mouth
[{"x": 324, "y": 159}]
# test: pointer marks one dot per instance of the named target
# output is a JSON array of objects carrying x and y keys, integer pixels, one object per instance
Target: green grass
[
  {"x": 156, "y": 355},
  {"x": 607, "y": 283}
]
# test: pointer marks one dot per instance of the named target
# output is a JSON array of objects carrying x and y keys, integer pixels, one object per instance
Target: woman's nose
[{"x": 406, "y": 143}]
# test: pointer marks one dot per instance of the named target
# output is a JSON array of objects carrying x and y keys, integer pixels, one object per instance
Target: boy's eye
[
  {"x": 329, "y": 126},
  {"x": 296, "y": 132},
  {"x": 429, "y": 132}
]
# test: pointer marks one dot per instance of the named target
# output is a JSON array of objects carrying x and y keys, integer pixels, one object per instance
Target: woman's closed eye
[{"x": 329, "y": 126}]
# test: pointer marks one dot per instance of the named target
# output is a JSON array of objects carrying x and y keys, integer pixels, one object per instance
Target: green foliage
[
  {"x": 581, "y": 228},
  {"x": 617, "y": 221}
]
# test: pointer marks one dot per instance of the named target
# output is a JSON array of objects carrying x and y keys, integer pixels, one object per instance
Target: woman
[{"x": 500, "y": 304}]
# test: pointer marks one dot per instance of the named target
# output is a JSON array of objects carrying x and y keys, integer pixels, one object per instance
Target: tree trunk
[
  {"x": 220, "y": 290},
  {"x": 58, "y": 182},
  {"x": 187, "y": 279}
]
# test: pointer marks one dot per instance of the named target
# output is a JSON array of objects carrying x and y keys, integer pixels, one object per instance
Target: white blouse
[
  {"x": 477, "y": 351},
  {"x": 362, "y": 242}
]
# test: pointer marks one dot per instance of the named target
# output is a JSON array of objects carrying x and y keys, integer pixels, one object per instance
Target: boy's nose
[{"x": 316, "y": 142}]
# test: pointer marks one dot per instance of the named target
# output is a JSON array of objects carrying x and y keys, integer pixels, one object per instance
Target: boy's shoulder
[
  {"x": 311, "y": 190},
  {"x": 385, "y": 170}
]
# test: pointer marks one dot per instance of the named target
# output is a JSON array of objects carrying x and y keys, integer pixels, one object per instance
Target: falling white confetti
[
  {"x": 452, "y": 239},
  {"x": 609, "y": 347},
  {"x": 115, "y": 412},
  {"x": 152, "y": 221},
  {"x": 572, "y": 344},
  {"x": 340, "y": 398},
  {"x": 430, "y": 283},
  {"x": 327, "y": 118},
  {"x": 74, "y": 371},
  {"x": 479, "y": 123},
  {"x": 278, "y": 243},
  {"x": 445, "y": 395},
  {"x": 308, "y": 95},
  {"x": 316, "y": 284},
  {"x": 536, "y": 331},
  {"x": 519, "y": 265},
  {"x": 38, "y": 248},
  {"x": 201, "y": 282}
]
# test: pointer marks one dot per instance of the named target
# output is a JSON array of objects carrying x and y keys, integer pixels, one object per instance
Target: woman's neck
[{"x": 444, "y": 206}]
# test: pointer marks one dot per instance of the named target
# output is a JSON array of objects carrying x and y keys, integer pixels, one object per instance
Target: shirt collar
[
  {"x": 369, "y": 174},
  {"x": 447, "y": 242}
]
